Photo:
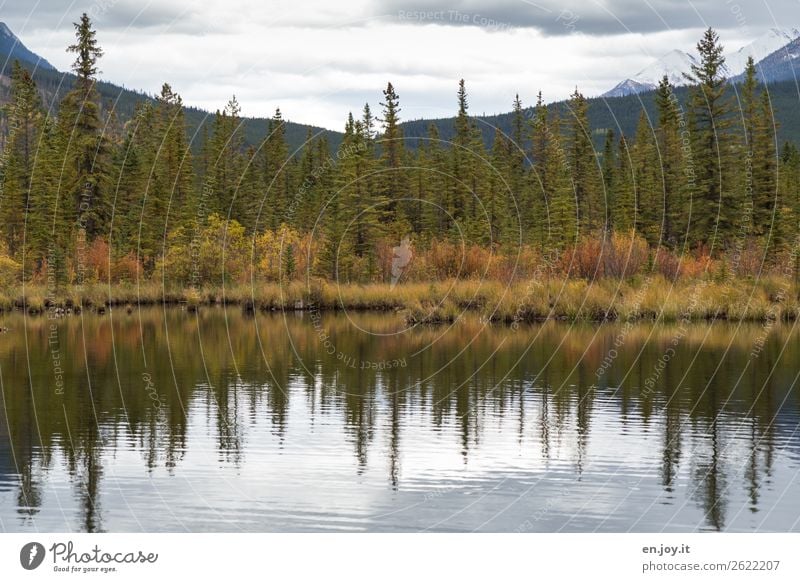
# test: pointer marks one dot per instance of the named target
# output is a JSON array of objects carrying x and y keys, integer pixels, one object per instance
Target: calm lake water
[{"x": 165, "y": 420}]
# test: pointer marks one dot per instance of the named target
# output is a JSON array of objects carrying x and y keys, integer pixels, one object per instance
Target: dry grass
[{"x": 652, "y": 297}]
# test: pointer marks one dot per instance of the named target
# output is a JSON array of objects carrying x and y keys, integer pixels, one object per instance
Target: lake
[{"x": 166, "y": 420}]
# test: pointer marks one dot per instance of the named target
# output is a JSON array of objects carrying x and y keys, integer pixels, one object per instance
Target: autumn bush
[
  {"x": 126, "y": 269},
  {"x": 10, "y": 271},
  {"x": 618, "y": 255},
  {"x": 666, "y": 263},
  {"x": 98, "y": 261}
]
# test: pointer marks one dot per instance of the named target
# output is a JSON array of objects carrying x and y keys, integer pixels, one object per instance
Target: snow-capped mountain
[
  {"x": 760, "y": 48},
  {"x": 676, "y": 63},
  {"x": 781, "y": 65},
  {"x": 673, "y": 65}
]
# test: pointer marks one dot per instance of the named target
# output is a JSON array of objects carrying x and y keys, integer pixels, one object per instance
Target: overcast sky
[{"x": 319, "y": 59}]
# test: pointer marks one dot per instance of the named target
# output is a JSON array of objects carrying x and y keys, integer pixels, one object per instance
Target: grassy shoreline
[{"x": 645, "y": 298}]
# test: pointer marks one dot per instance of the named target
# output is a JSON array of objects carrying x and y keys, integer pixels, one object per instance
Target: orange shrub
[
  {"x": 584, "y": 259},
  {"x": 624, "y": 255},
  {"x": 98, "y": 261},
  {"x": 618, "y": 255},
  {"x": 667, "y": 264},
  {"x": 126, "y": 269},
  {"x": 697, "y": 265},
  {"x": 750, "y": 259}
]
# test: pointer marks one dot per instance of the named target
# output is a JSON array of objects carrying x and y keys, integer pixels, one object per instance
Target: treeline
[{"x": 86, "y": 197}]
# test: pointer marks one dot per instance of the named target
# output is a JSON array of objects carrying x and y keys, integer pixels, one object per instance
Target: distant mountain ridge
[
  {"x": 618, "y": 112},
  {"x": 781, "y": 65},
  {"x": 53, "y": 84},
  {"x": 677, "y": 63},
  {"x": 12, "y": 48}
]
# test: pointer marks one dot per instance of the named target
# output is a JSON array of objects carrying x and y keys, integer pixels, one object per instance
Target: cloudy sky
[{"x": 318, "y": 59}]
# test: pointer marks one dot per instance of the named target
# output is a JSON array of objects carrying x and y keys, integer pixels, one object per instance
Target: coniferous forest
[{"x": 701, "y": 191}]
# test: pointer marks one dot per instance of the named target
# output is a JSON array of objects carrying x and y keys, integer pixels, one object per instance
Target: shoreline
[{"x": 647, "y": 298}]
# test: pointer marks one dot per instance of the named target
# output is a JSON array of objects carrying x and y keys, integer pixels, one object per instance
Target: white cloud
[{"x": 318, "y": 60}]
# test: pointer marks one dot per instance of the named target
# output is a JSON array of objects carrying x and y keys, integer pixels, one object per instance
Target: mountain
[
  {"x": 11, "y": 48},
  {"x": 53, "y": 85},
  {"x": 676, "y": 63},
  {"x": 781, "y": 65},
  {"x": 772, "y": 41},
  {"x": 673, "y": 65},
  {"x": 621, "y": 114}
]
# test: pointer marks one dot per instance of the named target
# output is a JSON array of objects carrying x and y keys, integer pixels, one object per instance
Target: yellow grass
[{"x": 651, "y": 297}]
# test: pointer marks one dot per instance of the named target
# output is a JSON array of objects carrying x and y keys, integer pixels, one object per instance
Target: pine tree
[
  {"x": 672, "y": 179},
  {"x": 517, "y": 194},
  {"x": 583, "y": 164},
  {"x": 535, "y": 215},
  {"x": 289, "y": 264},
  {"x": 609, "y": 169},
  {"x": 433, "y": 186},
  {"x": 649, "y": 200},
  {"x": 24, "y": 119},
  {"x": 393, "y": 178},
  {"x": 86, "y": 145},
  {"x": 715, "y": 206},
  {"x": 461, "y": 163},
  {"x": 130, "y": 181},
  {"x": 224, "y": 158},
  {"x": 176, "y": 164},
  {"x": 277, "y": 174},
  {"x": 560, "y": 195},
  {"x": 494, "y": 208},
  {"x": 767, "y": 202},
  {"x": 624, "y": 209}
]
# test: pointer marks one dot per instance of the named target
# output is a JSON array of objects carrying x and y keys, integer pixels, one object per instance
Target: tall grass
[{"x": 652, "y": 297}]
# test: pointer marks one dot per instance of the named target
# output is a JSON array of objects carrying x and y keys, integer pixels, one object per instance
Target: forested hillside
[
  {"x": 621, "y": 114},
  {"x": 114, "y": 191},
  {"x": 54, "y": 85}
]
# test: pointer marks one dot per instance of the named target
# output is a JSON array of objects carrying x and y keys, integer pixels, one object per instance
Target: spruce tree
[
  {"x": 87, "y": 150},
  {"x": 672, "y": 177},
  {"x": 624, "y": 209},
  {"x": 715, "y": 206},
  {"x": 609, "y": 169},
  {"x": 24, "y": 119},
  {"x": 535, "y": 216},
  {"x": 393, "y": 178},
  {"x": 767, "y": 202},
  {"x": 583, "y": 163},
  {"x": 649, "y": 199}
]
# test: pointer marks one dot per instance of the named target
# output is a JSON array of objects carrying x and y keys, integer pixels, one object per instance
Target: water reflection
[{"x": 224, "y": 421}]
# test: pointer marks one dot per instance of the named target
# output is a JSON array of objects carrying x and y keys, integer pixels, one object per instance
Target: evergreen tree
[
  {"x": 560, "y": 194},
  {"x": 767, "y": 202},
  {"x": 535, "y": 215},
  {"x": 277, "y": 173},
  {"x": 459, "y": 194},
  {"x": 715, "y": 206},
  {"x": 224, "y": 158},
  {"x": 24, "y": 119},
  {"x": 672, "y": 179},
  {"x": 649, "y": 202},
  {"x": 393, "y": 178},
  {"x": 433, "y": 186},
  {"x": 609, "y": 169},
  {"x": 624, "y": 209},
  {"x": 86, "y": 147},
  {"x": 583, "y": 163}
]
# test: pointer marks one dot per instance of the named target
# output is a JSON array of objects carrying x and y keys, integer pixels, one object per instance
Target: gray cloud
[
  {"x": 558, "y": 17},
  {"x": 552, "y": 17},
  {"x": 318, "y": 59},
  {"x": 109, "y": 14}
]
